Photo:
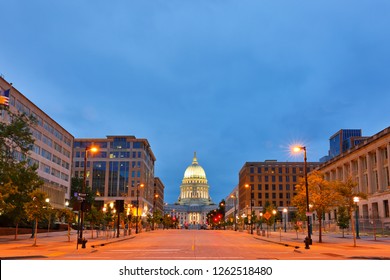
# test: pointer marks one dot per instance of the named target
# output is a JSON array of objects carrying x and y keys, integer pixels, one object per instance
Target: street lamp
[
  {"x": 356, "y": 200},
  {"x": 136, "y": 225},
  {"x": 261, "y": 220},
  {"x": 234, "y": 205},
  {"x": 285, "y": 219},
  {"x": 87, "y": 149},
  {"x": 47, "y": 200},
  {"x": 154, "y": 207},
  {"x": 251, "y": 225},
  {"x": 274, "y": 213},
  {"x": 308, "y": 240}
]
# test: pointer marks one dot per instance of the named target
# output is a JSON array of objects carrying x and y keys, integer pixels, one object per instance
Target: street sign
[
  {"x": 309, "y": 213},
  {"x": 267, "y": 215}
]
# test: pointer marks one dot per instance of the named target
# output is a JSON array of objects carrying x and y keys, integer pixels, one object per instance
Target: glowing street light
[
  {"x": 81, "y": 240},
  {"x": 136, "y": 225},
  {"x": 251, "y": 225},
  {"x": 308, "y": 240},
  {"x": 234, "y": 205},
  {"x": 274, "y": 213},
  {"x": 356, "y": 200}
]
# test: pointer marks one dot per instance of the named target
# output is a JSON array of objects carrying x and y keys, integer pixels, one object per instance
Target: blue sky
[{"x": 234, "y": 81}]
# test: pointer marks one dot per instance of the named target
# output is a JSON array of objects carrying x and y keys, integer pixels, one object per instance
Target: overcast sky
[{"x": 234, "y": 81}]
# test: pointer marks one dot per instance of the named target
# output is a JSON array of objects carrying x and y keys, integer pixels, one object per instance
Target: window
[
  {"x": 37, "y": 149},
  {"x": 45, "y": 168},
  {"x": 259, "y": 187},
  {"x": 386, "y": 208},
  {"x": 46, "y": 154},
  {"x": 138, "y": 145}
]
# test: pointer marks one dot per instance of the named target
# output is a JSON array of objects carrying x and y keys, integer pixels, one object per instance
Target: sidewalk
[
  {"x": 333, "y": 244},
  {"x": 54, "y": 244}
]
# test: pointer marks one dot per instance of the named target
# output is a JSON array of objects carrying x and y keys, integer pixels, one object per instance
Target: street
[{"x": 194, "y": 245}]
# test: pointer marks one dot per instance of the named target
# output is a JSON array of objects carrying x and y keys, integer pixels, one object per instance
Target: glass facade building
[{"x": 120, "y": 164}]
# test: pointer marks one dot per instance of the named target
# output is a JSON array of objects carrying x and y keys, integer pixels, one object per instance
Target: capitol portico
[{"x": 194, "y": 201}]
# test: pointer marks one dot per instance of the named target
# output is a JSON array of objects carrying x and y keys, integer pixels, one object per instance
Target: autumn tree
[
  {"x": 347, "y": 190},
  {"x": 322, "y": 197}
]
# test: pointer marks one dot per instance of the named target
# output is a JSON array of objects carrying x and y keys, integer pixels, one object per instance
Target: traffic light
[{"x": 120, "y": 206}]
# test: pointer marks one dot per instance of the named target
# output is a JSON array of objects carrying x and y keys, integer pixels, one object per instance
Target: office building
[
  {"x": 121, "y": 166},
  {"x": 269, "y": 181},
  {"x": 52, "y": 150}
]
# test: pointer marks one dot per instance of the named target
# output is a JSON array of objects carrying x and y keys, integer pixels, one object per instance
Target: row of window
[
  {"x": 113, "y": 145},
  {"x": 52, "y": 171},
  {"x": 49, "y": 156},
  {"x": 281, "y": 187},
  {"x": 273, "y": 178},
  {"x": 273, "y": 195},
  {"x": 272, "y": 170},
  {"x": 79, "y": 154},
  {"x": 101, "y": 165}
]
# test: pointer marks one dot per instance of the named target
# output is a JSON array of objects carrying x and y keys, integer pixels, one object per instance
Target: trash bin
[{"x": 263, "y": 232}]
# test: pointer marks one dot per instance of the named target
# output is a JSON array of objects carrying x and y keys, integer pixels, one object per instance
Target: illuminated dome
[{"x": 194, "y": 171}]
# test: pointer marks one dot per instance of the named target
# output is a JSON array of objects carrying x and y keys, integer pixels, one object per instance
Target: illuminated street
[{"x": 196, "y": 245}]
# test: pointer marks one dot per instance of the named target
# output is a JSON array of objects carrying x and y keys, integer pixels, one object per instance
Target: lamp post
[
  {"x": 234, "y": 212},
  {"x": 136, "y": 224},
  {"x": 261, "y": 220},
  {"x": 308, "y": 240},
  {"x": 154, "y": 207},
  {"x": 285, "y": 219},
  {"x": 251, "y": 224},
  {"x": 81, "y": 240},
  {"x": 274, "y": 213},
  {"x": 356, "y": 200}
]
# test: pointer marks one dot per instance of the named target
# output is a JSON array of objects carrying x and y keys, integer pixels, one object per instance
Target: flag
[{"x": 4, "y": 98}]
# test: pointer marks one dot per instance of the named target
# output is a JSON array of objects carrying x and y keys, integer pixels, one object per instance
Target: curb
[
  {"x": 110, "y": 242},
  {"x": 276, "y": 242}
]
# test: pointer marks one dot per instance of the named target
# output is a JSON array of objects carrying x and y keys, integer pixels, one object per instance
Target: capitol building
[{"x": 194, "y": 202}]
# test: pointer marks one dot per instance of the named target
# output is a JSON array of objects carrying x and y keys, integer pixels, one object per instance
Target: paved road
[{"x": 194, "y": 245}]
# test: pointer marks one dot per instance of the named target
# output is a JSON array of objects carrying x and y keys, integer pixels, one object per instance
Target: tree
[
  {"x": 68, "y": 216},
  {"x": 322, "y": 197},
  {"x": 343, "y": 218},
  {"x": 347, "y": 190},
  {"x": 37, "y": 208},
  {"x": 270, "y": 213},
  {"x": 18, "y": 177},
  {"x": 94, "y": 216}
]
